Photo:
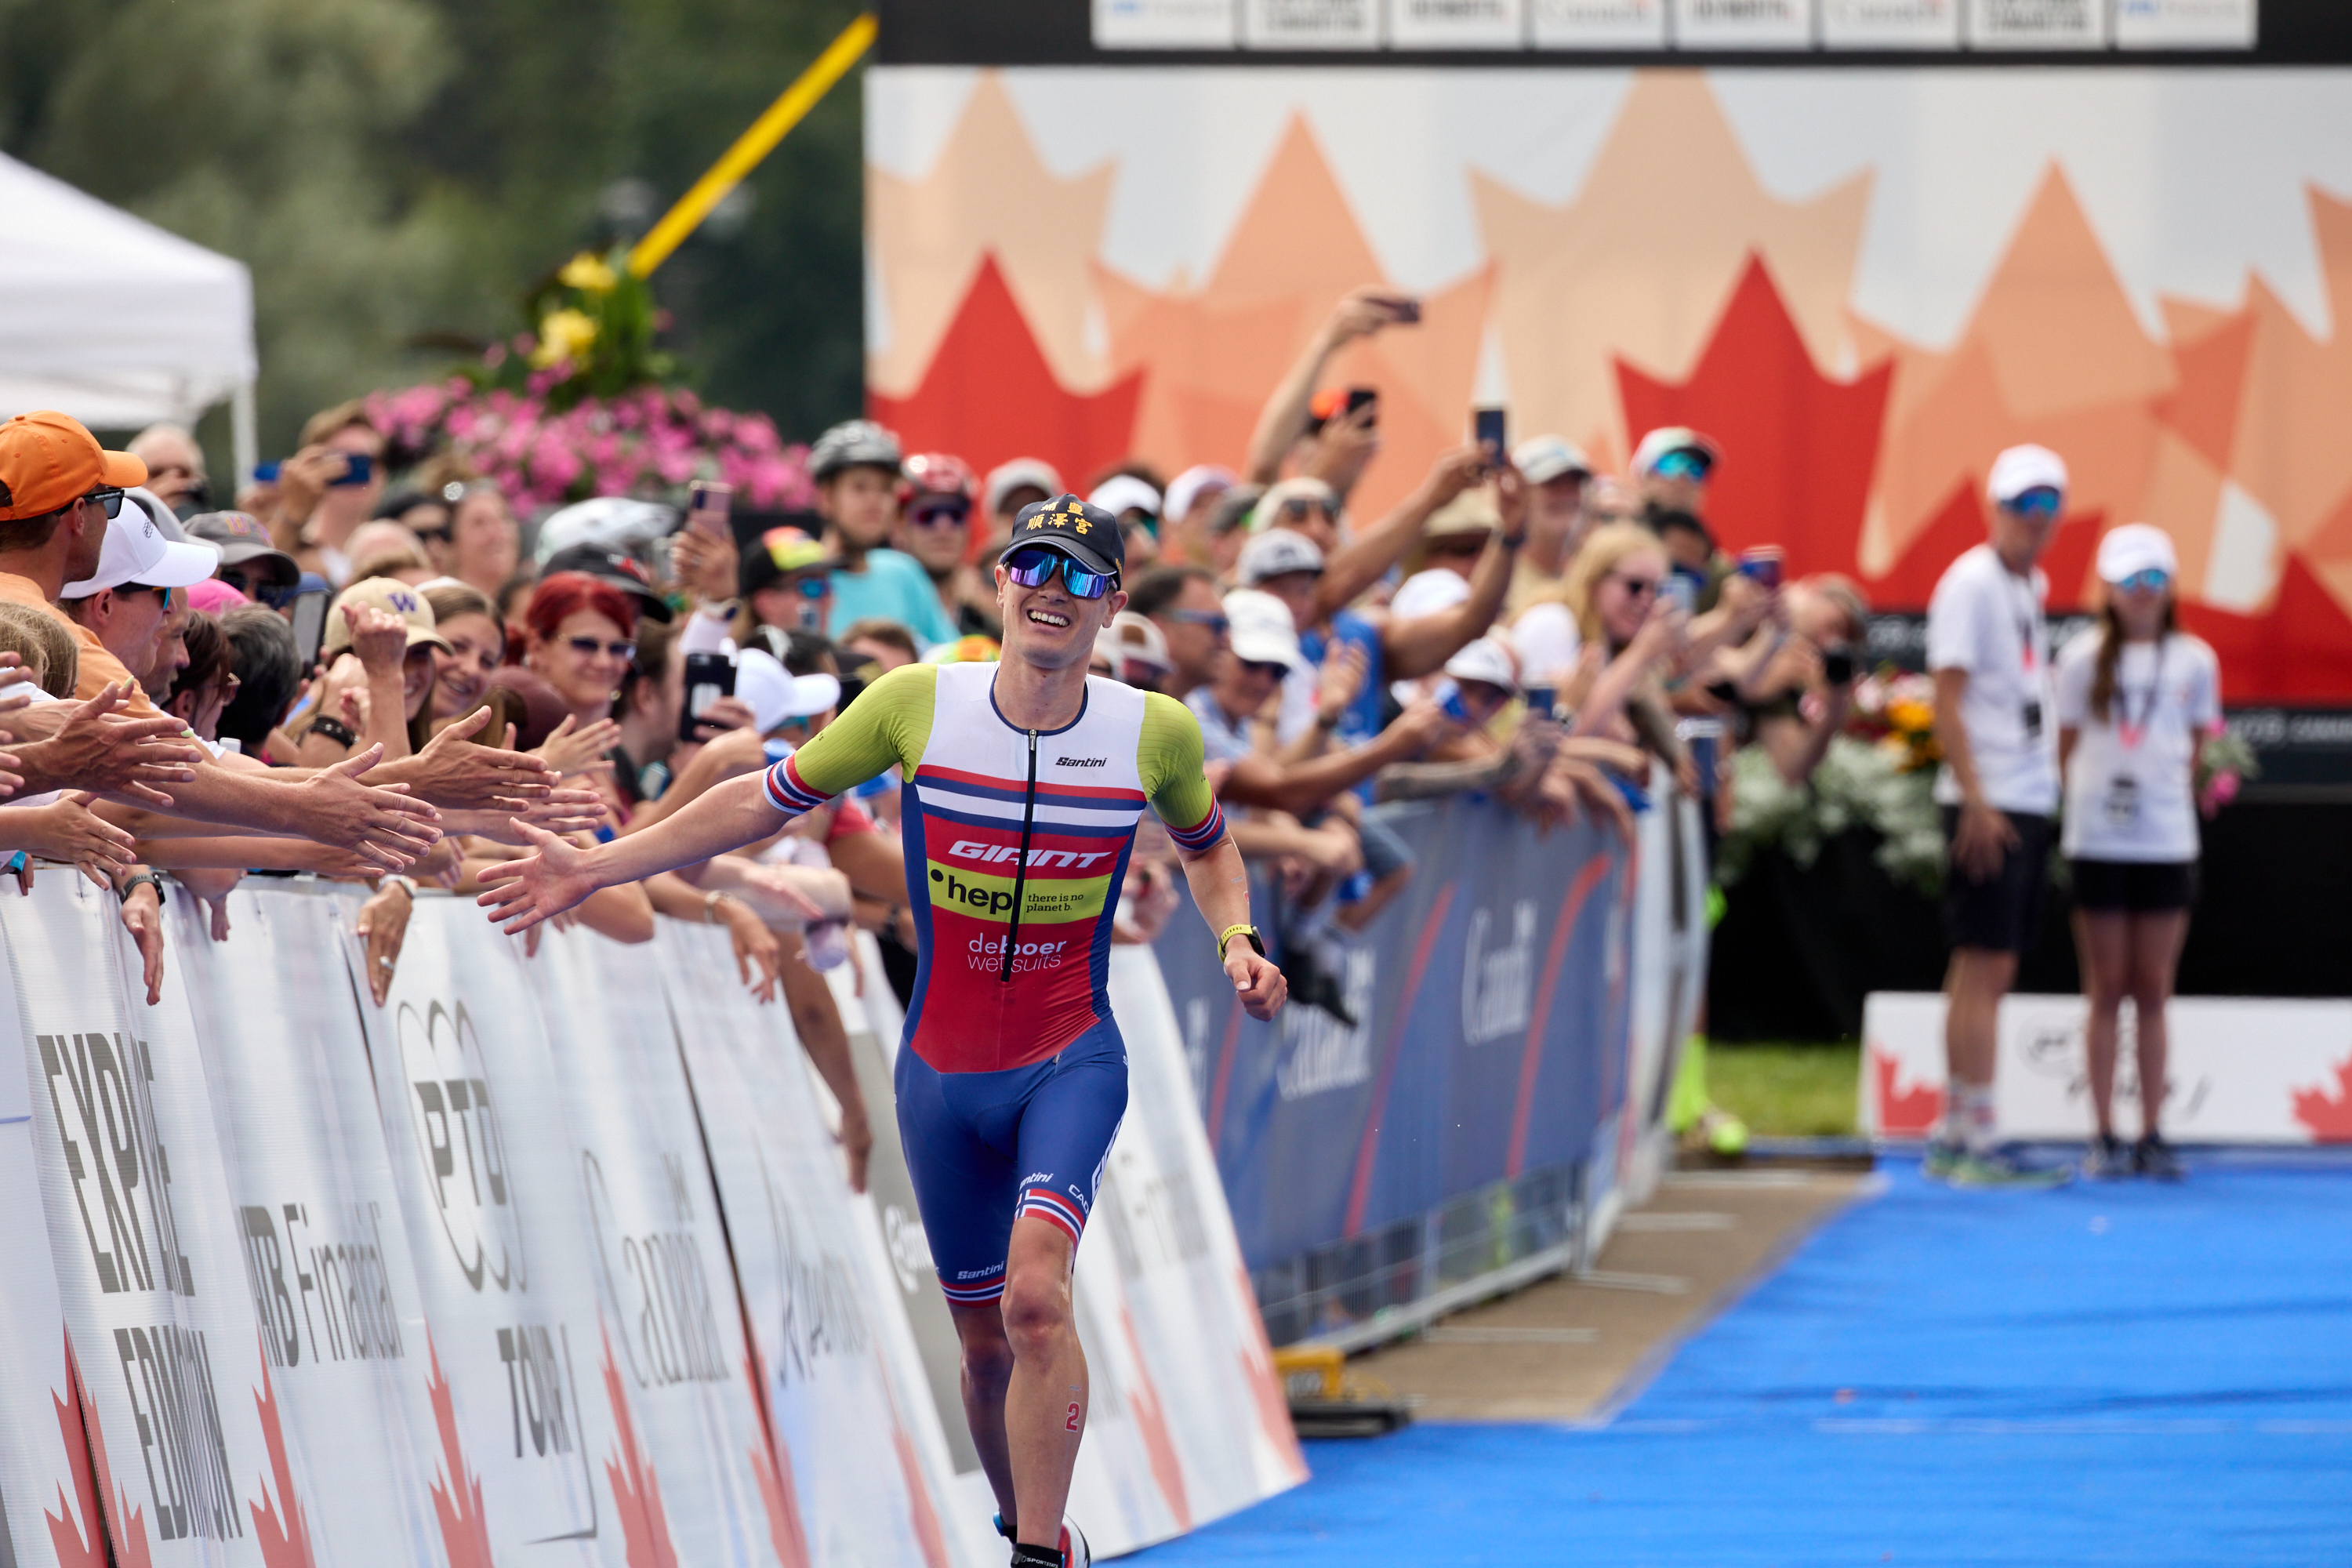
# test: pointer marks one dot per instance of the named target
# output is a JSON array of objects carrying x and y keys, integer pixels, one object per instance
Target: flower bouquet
[{"x": 2224, "y": 762}]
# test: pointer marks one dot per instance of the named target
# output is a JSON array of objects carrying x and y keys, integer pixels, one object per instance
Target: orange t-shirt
[{"x": 98, "y": 669}]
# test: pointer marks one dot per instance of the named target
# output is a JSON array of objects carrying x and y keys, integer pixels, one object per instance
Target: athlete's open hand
[
  {"x": 1263, "y": 989},
  {"x": 539, "y": 886}
]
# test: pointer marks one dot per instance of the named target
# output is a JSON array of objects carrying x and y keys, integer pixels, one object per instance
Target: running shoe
[
  {"x": 2153, "y": 1157},
  {"x": 2002, "y": 1168},
  {"x": 1942, "y": 1157},
  {"x": 2106, "y": 1158},
  {"x": 1075, "y": 1554}
]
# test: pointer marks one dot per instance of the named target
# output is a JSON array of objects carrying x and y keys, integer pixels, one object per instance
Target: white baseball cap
[
  {"x": 2022, "y": 469},
  {"x": 1274, "y": 552},
  {"x": 1124, "y": 493},
  {"x": 1132, "y": 637},
  {"x": 1262, "y": 629},
  {"x": 1189, "y": 487},
  {"x": 1033, "y": 473},
  {"x": 1299, "y": 488},
  {"x": 138, "y": 550},
  {"x": 1673, "y": 438},
  {"x": 775, "y": 694},
  {"x": 2134, "y": 548},
  {"x": 1542, "y": 459},
  {"x": 1487, "y": 659}
]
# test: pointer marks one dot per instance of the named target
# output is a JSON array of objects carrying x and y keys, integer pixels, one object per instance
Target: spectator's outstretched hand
[
  {"x": 1427, "y": 724},
  {"x": 537, "y": 886},
  {"x": 706, "y": 565},
  {"x": 142, "y": 917},
  {"x": 96, "y": 751},
  {"x": 1360, "y": 312},
  {"x": 570, "y": 748},
  {"x": 1342, "y": 679},
  {"x": 455, "y": 771},
  {"x": 1455, "y": 471},
  {"x": 1345, "y": 447},
  {"x": 383, "y": 825},
  {"x": 68, "y": 830}
]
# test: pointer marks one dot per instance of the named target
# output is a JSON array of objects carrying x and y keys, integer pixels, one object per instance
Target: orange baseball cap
[{"x": 48, "y": 460}]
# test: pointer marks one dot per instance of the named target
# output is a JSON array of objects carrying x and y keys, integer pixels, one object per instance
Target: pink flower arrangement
[{"x": 650, "y": 441}]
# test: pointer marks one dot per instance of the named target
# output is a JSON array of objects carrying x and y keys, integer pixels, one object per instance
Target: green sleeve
[
  {"x": 1169, "y": 757},
  {"x": 888, "y": 726}
]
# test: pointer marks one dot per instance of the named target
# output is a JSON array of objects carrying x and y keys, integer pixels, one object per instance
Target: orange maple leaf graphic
[
  {"x": 1902, "y": 1111},
  {"x": 285, "y": 1543},
  {"x": 773, "y": 1469},
  {"x": 637, "y": 1490},
  {"x": 2329, "y": 1116},
  {"x": 465, "y": 1535}
]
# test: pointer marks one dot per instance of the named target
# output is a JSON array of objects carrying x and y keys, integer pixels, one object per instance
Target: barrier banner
[
  {"x": 49, "y": 1497},
  {"x": 1187, "y": 1423},
  {"x": 520, "y": 1377},
  {"x": 1482, "y": 998},
  {"x": 867, "y": 1481},
  {"x": 326, "y": 1260},
  {"x": 188, "y": 1458},
  {"x": 675, "y": 1360}
]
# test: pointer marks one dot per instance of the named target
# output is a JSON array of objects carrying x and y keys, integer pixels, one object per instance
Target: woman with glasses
[
  {"x": 1630, "y": 631},
  {"x": 2136, "y": 696}
]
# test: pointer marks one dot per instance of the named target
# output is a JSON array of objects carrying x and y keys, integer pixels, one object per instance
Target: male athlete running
[{"x": 1024, "y": 783}]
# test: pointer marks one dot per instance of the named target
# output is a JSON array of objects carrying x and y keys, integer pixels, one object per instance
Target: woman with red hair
[{"x": 580, "y": 637}]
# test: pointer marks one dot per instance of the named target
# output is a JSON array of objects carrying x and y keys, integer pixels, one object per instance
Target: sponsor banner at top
[{"x": 1712, "y": 26}]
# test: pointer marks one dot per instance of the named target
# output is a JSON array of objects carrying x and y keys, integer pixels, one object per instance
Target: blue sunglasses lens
[
  {"x": 2153, "y": 580},
  {"x": 2041, "y": 503},
  {"x": 1683, "y": 465},
  {"x": 1035, "y": 568}
]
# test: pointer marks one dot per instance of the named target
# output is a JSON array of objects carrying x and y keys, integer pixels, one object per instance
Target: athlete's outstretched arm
[
  {"x": 556, "y": 874},
  {"x": 1221, "y": 892}
]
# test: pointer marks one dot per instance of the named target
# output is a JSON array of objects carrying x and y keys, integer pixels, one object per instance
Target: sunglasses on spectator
[
  {"x": 588, "y": 648},
  {"x": 108, "y": 496},
  {"x": 951, "y": 516},
  {"x": 2147, "y": 580},
  {"x": 1636, "y": 587},
  {"x": 1300, "y": 506},
  {"x": 433, "y": 535},
  {"x": 815, "y": 587},
  {"x": 2041, "y": 503},
  {"x": 1685, "y": 464},
  {"x": 1218, "y": 624},
  {"x": 1266, "y": 667},
  {"x": 1034, "y": 568}
]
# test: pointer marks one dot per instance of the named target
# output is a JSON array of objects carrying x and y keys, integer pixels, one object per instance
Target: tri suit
[{"x": 1011, "y": 1075}]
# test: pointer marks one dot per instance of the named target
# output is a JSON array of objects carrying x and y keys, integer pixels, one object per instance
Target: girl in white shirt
[{"x": 2134, "y": 697}]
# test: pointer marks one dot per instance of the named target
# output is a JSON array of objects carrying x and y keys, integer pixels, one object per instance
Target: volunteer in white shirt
[
  {"x": 2136, "y": 697},
  {"x": 1988, "y": 649}
]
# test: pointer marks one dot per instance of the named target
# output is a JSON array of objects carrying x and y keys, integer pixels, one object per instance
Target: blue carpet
[{"x": 2110, "y": 1373}]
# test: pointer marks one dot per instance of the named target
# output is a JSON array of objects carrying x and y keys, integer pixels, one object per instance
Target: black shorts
[
  {"x": 1998, "y": 914},
  {"x": 2134, "y": 887}
]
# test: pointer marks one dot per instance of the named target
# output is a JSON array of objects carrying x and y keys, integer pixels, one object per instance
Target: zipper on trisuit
[{"x": 1021, "y": 866}]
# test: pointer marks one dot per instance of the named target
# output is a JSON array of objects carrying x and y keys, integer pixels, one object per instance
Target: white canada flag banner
[
  {"x": 861, "y": 1459},
  {"x": 187, "y": 1455},
  {"x": 317, "y": 1218},
  {"x": 675, "y": 1355},
  {"x": 515, "y": 1364}
]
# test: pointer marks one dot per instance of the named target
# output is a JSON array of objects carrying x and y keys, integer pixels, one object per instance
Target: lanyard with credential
[
  {"x": 2028, "y": 624},
  {"x": 2131, "y": 734}
]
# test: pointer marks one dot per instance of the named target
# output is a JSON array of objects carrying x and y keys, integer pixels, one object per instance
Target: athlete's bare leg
[{"x": 1024, "y": 1383}]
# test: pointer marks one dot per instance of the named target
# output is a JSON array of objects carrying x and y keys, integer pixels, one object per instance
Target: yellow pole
[{"x": 752, "y": 146}]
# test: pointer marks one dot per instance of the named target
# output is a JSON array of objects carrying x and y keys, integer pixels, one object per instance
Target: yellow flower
[
  {"x": 562, "y": 334},
  {"x": 588, "y": 273},
  {"x": 1906, "y": 714}
]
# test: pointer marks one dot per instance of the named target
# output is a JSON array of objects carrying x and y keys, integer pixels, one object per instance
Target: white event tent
[{"x": 114, "y": 320}]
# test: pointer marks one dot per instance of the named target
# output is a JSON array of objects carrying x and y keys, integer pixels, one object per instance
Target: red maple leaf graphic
[
  {"x": 925, "y": 1516},
  {"x": 284, "y": 1543},
  {"x": 1265, "y": 1392},
  {"x": 773, "y": 1470},
  {"x": 1798, "y": 449},
  {"x": 465, "y": 1535},
  {"x": 2329, "y": 1116},
  {"x": 1152, "y": 1421},
  {"x": 2300, "y": 650},
  {"x": 86, "y": 1444},
  {"x": 637, "y": 1490},
  {"x": 1904, "y": 1112},
  {"x": 989, "y": 395}
]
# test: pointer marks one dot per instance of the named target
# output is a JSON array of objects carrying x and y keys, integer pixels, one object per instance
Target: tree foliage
[{"x": 401, "y": 174}]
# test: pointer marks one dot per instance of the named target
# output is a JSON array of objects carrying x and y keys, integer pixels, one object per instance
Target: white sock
[{"x": 1980, "y": 1130}]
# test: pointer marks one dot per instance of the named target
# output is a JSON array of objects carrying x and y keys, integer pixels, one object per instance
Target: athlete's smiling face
[{"x": 1048, "y": 625}]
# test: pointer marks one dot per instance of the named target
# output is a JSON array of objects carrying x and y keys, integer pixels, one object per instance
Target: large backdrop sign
[{"x": 1863, "y": 282}]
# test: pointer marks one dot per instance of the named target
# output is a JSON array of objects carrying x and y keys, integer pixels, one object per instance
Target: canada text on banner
[
  {"x": 514, "y": 1361},
  {"x": 673, "y": 1355},
  {"x": 863, "y": 1479},
  {"x": 318, "y": 1221},
  {"x": 189, "y": 1461}
]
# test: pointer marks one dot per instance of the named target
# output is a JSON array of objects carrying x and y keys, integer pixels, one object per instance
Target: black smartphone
[
  {"x": 708, "y": 678},
  {"x": 358, "y": 469},
  {"x": 306, "y": 610},
  {"x": 1837, "y": 664},
  {"x": 1487, "y": 428},
  {"x": 1362, "y": 397},
  {"x": 1406, "y": 310}
]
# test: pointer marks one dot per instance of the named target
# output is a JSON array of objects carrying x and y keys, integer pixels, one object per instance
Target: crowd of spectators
[{"x": 375, "y": 675}]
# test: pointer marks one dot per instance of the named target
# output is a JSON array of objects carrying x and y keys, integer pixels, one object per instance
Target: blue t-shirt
[
  {"x": 895, "y": 586},
  {"x": 1362, "y": 720}
]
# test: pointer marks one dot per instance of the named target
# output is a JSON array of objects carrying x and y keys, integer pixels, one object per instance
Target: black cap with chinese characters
[{"x": 1086, "y": 534}]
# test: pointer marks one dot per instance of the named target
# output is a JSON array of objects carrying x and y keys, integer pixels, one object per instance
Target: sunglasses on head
[
  {"x": 108, "y": 496},
  {"x": 1682, "y": 464},
  {"x": 2039, "y": 503},
  {"x": 1034, "y": 568},
  {"x": 588, "y": 648},
  {"x": 2146, "y": 580}
]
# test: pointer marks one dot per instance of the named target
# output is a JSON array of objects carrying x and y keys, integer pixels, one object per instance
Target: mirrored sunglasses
[
  {"x": 1034, "y": 568},
  {"x": 2039, "y": 503},
  {"x": 2147, "y": 580},
  {"x": 1687, "y": 463}
]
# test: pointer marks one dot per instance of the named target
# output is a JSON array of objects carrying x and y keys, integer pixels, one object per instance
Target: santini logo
[{"x": 1081, "y": 762}]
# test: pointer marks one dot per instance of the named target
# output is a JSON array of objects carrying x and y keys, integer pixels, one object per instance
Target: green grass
[{"x": 1786, "y": 1090}]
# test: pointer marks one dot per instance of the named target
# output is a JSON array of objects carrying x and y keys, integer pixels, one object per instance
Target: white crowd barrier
[{"x": 549, "y": 1259}]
